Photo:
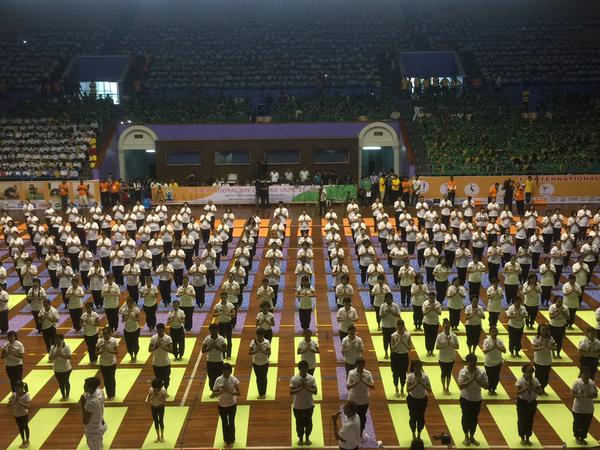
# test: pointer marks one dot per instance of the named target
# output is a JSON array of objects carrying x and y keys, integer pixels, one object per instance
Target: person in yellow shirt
[
  {"x": 381, "y": 187},
  {"x": 529, "y": 183},
  {"x": 395, "y": 188}
]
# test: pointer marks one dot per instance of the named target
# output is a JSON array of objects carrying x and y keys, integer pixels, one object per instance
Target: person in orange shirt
[
  {"x": 451, "y": 190},
  {"x": 493, "y": 192},
  {"x": 520, "y": 199},
  {"x": 63, "y": 192},
  {"x": 115, "y": 191},
  {"x": 82, "y": 191},
  {"x": 104, "y": 193}
]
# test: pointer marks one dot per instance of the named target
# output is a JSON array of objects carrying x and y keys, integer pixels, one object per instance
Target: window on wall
[
  {"x": 331, "y": 156},
  {"x": 283, "y": 157},
  {"x": 232, "y": 158},
  {"x": 183, "y": 158}
]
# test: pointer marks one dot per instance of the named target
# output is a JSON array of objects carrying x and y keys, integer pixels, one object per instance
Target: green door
[
  {"x": 378, "y": 160},
  {"x": 139, "y": 164}
]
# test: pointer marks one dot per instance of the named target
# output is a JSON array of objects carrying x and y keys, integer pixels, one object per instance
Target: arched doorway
[
  {"x": 137, "y": 157},
  {"x": 379, "y": 149}
]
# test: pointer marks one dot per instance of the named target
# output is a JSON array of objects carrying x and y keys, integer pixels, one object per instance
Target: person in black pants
[
  {"x": 417, "y": 387},
  {"x": 302, "y": 389},
  {"x": 471, "y": 380},
  {"x": 358, "y": 383},
  {"x": 215, "y": 346},
  {"x": 260, "y": 350},
  {"x": 107, "y": 349},
  {"x": 13, "y": 352},
  {"x": 225, "y": 312},
  {"x": 161, "y": 346},
  {"x": 175, "y": 320},
  {"x": 20, "y": 400},
  {"x": 90, "y": 319},
  {"x": 400, "y": 347},
  {"x": 227, "y": 388},
  {"x": 528, "y": 388}
]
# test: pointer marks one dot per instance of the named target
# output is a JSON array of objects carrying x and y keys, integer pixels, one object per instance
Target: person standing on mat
[
  {"x": 161, "y": 345},
  {"x": 90, "y": 321},
  {"x": 157, "y": 396},
  {"x": 175, "y": 320},
  {"x": 224, "y": 312},
  {"x": 12, "y": 352},
  {"x": 60, "y": 357},
  {"x": 571, "y": 293},
  {"x": 400, "y": 347},
  {"x": 187, "y": 296},
  {"x": 419, "y": 292},
  {"x": 303, "y": 388},
  {"x": 493, "y": 348},
  {"x": 589, "y": 350},
  {"x": 4, "y": 299},
  {"x": 516, "y": 314},
  {"x": 215, "y": 347},
  {"x": 543, "y": 345},
  {"x": 584, "y": 392},
  {"x": 260, "y": 350},
  {"x": 348, "y": 435},
  {"x": 358, "y": 383},
  {"x": 447, "y": 343},
  {"x": 110, "y": 297},
  {"x": 346, "y": 316},
  {"x": 92, "y": 403},
  {"x": 417, "y": 386},
  {"x": 265, "y": 320},
  {"x": 130, "y": 315},
  {"x": 528, "y": 388},
  {"x": 471, "y": 380},
  {"x": 227, "y": 389},
  {"x": 20, "y": 402},
  {"x": 512, "y": 272},
  {"x": 389, "y": 313},
  {"x": 305, "y": 294},
  {"x": 149, "y": 294},
  {"x": 532, "y": 291},
  {"x": 473, "y": 317},
  {"x": 559, "y": 316},
  {"x": 107, "y": 348},
  {"x": 75, "y": 296},
  {"x": 308, "y": 348},
  {"x": 456, "y": 295},
  {"x": 49, "y": 318},
  {"x": 432, "y": 310},
  {"x": 352, "y": 349},
  {"x": 35, "y": 296}
]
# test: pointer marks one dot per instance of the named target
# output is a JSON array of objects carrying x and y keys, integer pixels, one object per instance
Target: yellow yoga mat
[
  {"x": 419, "y": 346},
  {"x": 589, "y": 317},
  {"x": 175, "y": 381},
  {"x": 400, "y": 417},
  {"x": 73, "y": 343},
  {"x": 242, "y": 418},
  {"x": 317, "y": 438},
  {"x": 15, "y": 299},
  {"x": 271, "y": 385},
  {"x": 505, "y": 417},
  {"x": 372, "y": 322},
  {"x": 387, "y": 379},
  {"x": 175, "y": 419},
  {"x": 485, "y": 326},
  {"x": 564, "y": 428},
  {"x": 76, "y": 379},
  {"x": 297, "y": 341},
  {"x": 190, "y": 343},
  {"x": 452, "y": 415},
  {"x": 435, "y": 378},
  {"x": 568, "y": 374},
  {"x": 41, "y": 427},
  {"x": 85, "y": 361},
  {"x": 575, "y": 330},
  {"x": 113, "y": 417},
  {"x": 126, "y": 378},
  {"x": 36, "y": 380},
  {"x": 552, "y": 395}
]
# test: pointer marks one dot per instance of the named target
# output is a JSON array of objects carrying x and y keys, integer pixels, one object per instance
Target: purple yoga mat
[
  {"x": 19, "y": 321},
  {"x": 337, "y": 345},
  {"x": 369, "y": 438},
  {"x": 239, "y": 326},
  {"x": 62, "y": 318}
]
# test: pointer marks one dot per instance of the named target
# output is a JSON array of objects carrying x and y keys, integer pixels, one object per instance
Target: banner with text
[
  {"x": 548, "y": 188},
  {"x": 237, "y": 195},
  {"x": 41, "y": 193}
]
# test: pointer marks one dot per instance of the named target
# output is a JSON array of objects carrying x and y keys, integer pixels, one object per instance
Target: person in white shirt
[
  {"x": 543, "y": 346},
  {"x": 165, "y": 273},
  {"x": 308, "y": 348},
  {"x": 528, "y": 388},
  {"x": 260, "y": 350},
  {"x": 90, "y": 321},
  {"x": 493, "y": 349},
  {"x": 572, "y": 293},
  {"x": 48, "y": 316},
  {"x": 516, "y": 314},
  {"x": 186, "y": 295},
  {"x": 130, "y": 314},
  {"x": 132, "y": 273},
  {"x": 456, "y": 295},
  {"x": 378, "y": 293},
  {"x": 447, "y": 343},
  {"x": 584, "y": 392},
  {"x": 227, "y": 389},
  {"x": 12, "y": 352},
  {"x": 589, "y": 350},
  {"x": 160, "y": 347},
  {"x": 60, "y": 357},
  {"x": 532, "y": 291},
  {"x": 149, "y": 294},
  {"x": 349, "y": 435},
  {"x": 352, "y": 349},
  {"x": 417, "y": 386},
  {"x": 157, "y": 396},
  {"x": 35, "y": 297},
  {"x": 107, "y": 349},
  {"x": 96, "y": 276},
  {"x": 303, "y": 388},
  {"x": 418, "y": 294},
  {"x": 512, "y": 271},
  {"x": 432, "y": 310},
  {"x": 400, "y": 344},
  {"x": 475, "y": 271},
  {"x": 359, "y": 382},
  {"x": 92, "y": 403},
  {"x": 215, "y": 347},
  {"x": 265, "y": 320},
  {"x": 306, "y": 295},
  {"x": 224, "y": 312},
  {"x": 473, "y": 317},
  {"x": 471, "y": 380},
  {"x": 20, "y": 402},
  {"x": 75, "y": 296},
  {"x": 346, "y": 316}
]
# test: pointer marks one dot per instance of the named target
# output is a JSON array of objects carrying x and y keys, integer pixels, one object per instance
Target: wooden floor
[{"x": 270, "y": 424}]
